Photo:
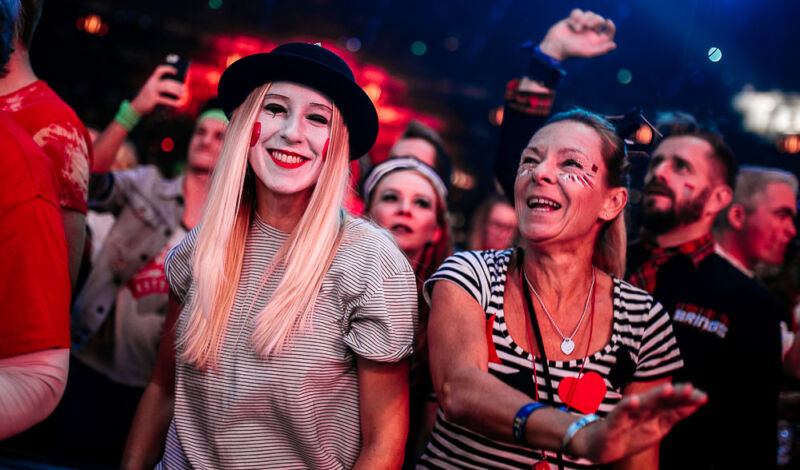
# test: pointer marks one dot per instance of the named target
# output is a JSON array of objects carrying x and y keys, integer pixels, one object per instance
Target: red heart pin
[{"x": 584, "y": 394}]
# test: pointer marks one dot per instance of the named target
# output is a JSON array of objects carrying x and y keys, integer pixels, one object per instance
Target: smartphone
[{"x": 181, "y": 64}]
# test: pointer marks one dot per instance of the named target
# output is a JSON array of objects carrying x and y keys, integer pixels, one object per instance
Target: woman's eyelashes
[
  {"x": 388, "y": 197},
  {"x": 274, "y": 109},
  {"x": 423, "y": 203},
  {"x": 318, "y": 118},
  {"x": 571, "y": 162},
  {"x": 391, "y": 196}
]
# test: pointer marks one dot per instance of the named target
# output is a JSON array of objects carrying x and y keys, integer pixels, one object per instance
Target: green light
[
  {"x": 624, "y": 76},
  {"x": 214, "y": 4},
  {"x": 419, "y": 48}
]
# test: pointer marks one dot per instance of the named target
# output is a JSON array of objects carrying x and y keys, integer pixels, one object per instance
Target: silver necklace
[{"x": 567, "y": 345}]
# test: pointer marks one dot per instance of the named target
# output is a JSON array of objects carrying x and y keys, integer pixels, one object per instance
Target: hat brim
[{"x": 248, "y": 73}]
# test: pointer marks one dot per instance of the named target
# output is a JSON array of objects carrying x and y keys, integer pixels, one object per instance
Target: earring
[
  {"x": 256, "y": 134},
  {"x": 325, "y": 150}
]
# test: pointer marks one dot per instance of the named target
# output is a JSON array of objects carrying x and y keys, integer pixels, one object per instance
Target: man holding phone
[{"x": 118, "y": 315}]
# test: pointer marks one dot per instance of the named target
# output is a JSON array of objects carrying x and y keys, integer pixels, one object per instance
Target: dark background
[{"x": 663, "y": 43}]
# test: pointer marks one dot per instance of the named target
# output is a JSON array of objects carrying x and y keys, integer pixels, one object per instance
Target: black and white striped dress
[
  {"x": 642, "y": 348},
  {"x": 300, "y": 408}
]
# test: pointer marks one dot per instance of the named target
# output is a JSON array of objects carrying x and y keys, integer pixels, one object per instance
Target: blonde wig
[{"x": 305, "y": 256}]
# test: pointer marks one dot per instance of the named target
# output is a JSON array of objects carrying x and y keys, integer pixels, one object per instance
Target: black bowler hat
[{"x": 315, "y": 67}]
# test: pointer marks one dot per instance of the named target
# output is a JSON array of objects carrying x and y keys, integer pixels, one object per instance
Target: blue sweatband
[{"x": 518, "y": 429}]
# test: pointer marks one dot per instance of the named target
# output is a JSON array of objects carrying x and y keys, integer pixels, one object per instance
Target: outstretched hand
[
  {"x": 581, "y": 34},
  {"x": 154, "y": 89},
  {"x": 638, "y": 422}
]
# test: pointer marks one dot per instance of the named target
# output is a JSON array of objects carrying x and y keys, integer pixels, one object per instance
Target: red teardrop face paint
[{"x": 256, "y": 134}]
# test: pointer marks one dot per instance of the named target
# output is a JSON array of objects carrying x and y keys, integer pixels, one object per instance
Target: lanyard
[{"x": 535, "y": 332}]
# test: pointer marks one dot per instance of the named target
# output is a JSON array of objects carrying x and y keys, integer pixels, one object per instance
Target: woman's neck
[
  {"x": 561, "y": 277},
  {"x": 281, "y": 211}
]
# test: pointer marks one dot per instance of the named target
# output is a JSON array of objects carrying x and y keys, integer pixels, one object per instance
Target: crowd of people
[{"x": 238, "y": 316}]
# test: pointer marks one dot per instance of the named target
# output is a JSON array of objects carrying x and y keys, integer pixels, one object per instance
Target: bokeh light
[
  {"x": 353, "y": 44},
  {"x": 419, "y": 48},
  {"x": 452, "y": 44},
  {"x": 714, "y": 54},
  {"x": 167, "y": 144},
  {"x": 624, "y": 76}
]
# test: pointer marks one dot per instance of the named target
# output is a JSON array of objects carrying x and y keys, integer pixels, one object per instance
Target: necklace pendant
[{"x": 567, "y": 346}]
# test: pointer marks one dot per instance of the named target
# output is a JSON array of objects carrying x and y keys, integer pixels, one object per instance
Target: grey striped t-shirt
[{"x": 299, "y": 408}]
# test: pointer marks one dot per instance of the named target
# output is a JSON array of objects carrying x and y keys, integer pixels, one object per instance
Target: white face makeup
[
  {"x": 559, "y": 189},
  {"x": 575, "y": 172},
  {"x": 584, "y": 178},
  {"x": 295, "y": 126}
]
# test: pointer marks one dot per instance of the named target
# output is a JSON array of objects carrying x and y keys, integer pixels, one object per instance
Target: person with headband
[
  {"x": 118, "y": 315},
  {"x": 287, "y": 342},
  {"x": 541, "y": 356},
  {"x": 409, "y": 199}
]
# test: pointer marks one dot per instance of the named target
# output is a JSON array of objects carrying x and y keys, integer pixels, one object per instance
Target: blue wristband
[
  {"x": 543, "y": 68},
  {"x": 574, "y": 428},
  {"x": 518, "y": 429},
  {"x": 550, "y": 59}
]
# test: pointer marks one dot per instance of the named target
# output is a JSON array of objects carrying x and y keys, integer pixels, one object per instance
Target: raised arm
[
  {"x": 145, "y": 443},
  {"x": 529, "y": 100},
  {"x": 471, "y": 397},
  {"x": 152, "y": 94},
  {"x": 582, "y": 34}
]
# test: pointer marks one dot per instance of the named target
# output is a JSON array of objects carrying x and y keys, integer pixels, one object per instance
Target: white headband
[{"x": 403, "y": 163}]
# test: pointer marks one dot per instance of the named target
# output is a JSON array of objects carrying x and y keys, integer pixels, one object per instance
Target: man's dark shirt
[{"x": 729, "y": 336}]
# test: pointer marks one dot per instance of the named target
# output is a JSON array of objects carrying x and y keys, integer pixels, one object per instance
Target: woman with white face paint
[
  {"x": 297, "y": 320},
  {"x": 529, "y": 346}
]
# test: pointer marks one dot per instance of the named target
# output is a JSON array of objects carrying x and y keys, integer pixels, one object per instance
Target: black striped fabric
[
  {"x": 642, "y": 348},
  {"x": 299, "y": 408}
]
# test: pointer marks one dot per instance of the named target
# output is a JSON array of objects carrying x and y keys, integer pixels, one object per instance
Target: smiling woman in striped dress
[
  {"x": 297, "y": 319},
  {"x": 550, "y": 325}
]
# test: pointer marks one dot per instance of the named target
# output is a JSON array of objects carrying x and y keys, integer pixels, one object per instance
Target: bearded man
[{"x": 726, "y": 325}]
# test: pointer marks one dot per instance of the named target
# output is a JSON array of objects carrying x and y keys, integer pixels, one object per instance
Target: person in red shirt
[
  {"x": 34, "y": 282},
  {"x": 54, "y": 127}
]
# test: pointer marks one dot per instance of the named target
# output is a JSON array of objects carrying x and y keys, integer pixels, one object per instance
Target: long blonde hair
[{"x": 218, "y": 256}]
